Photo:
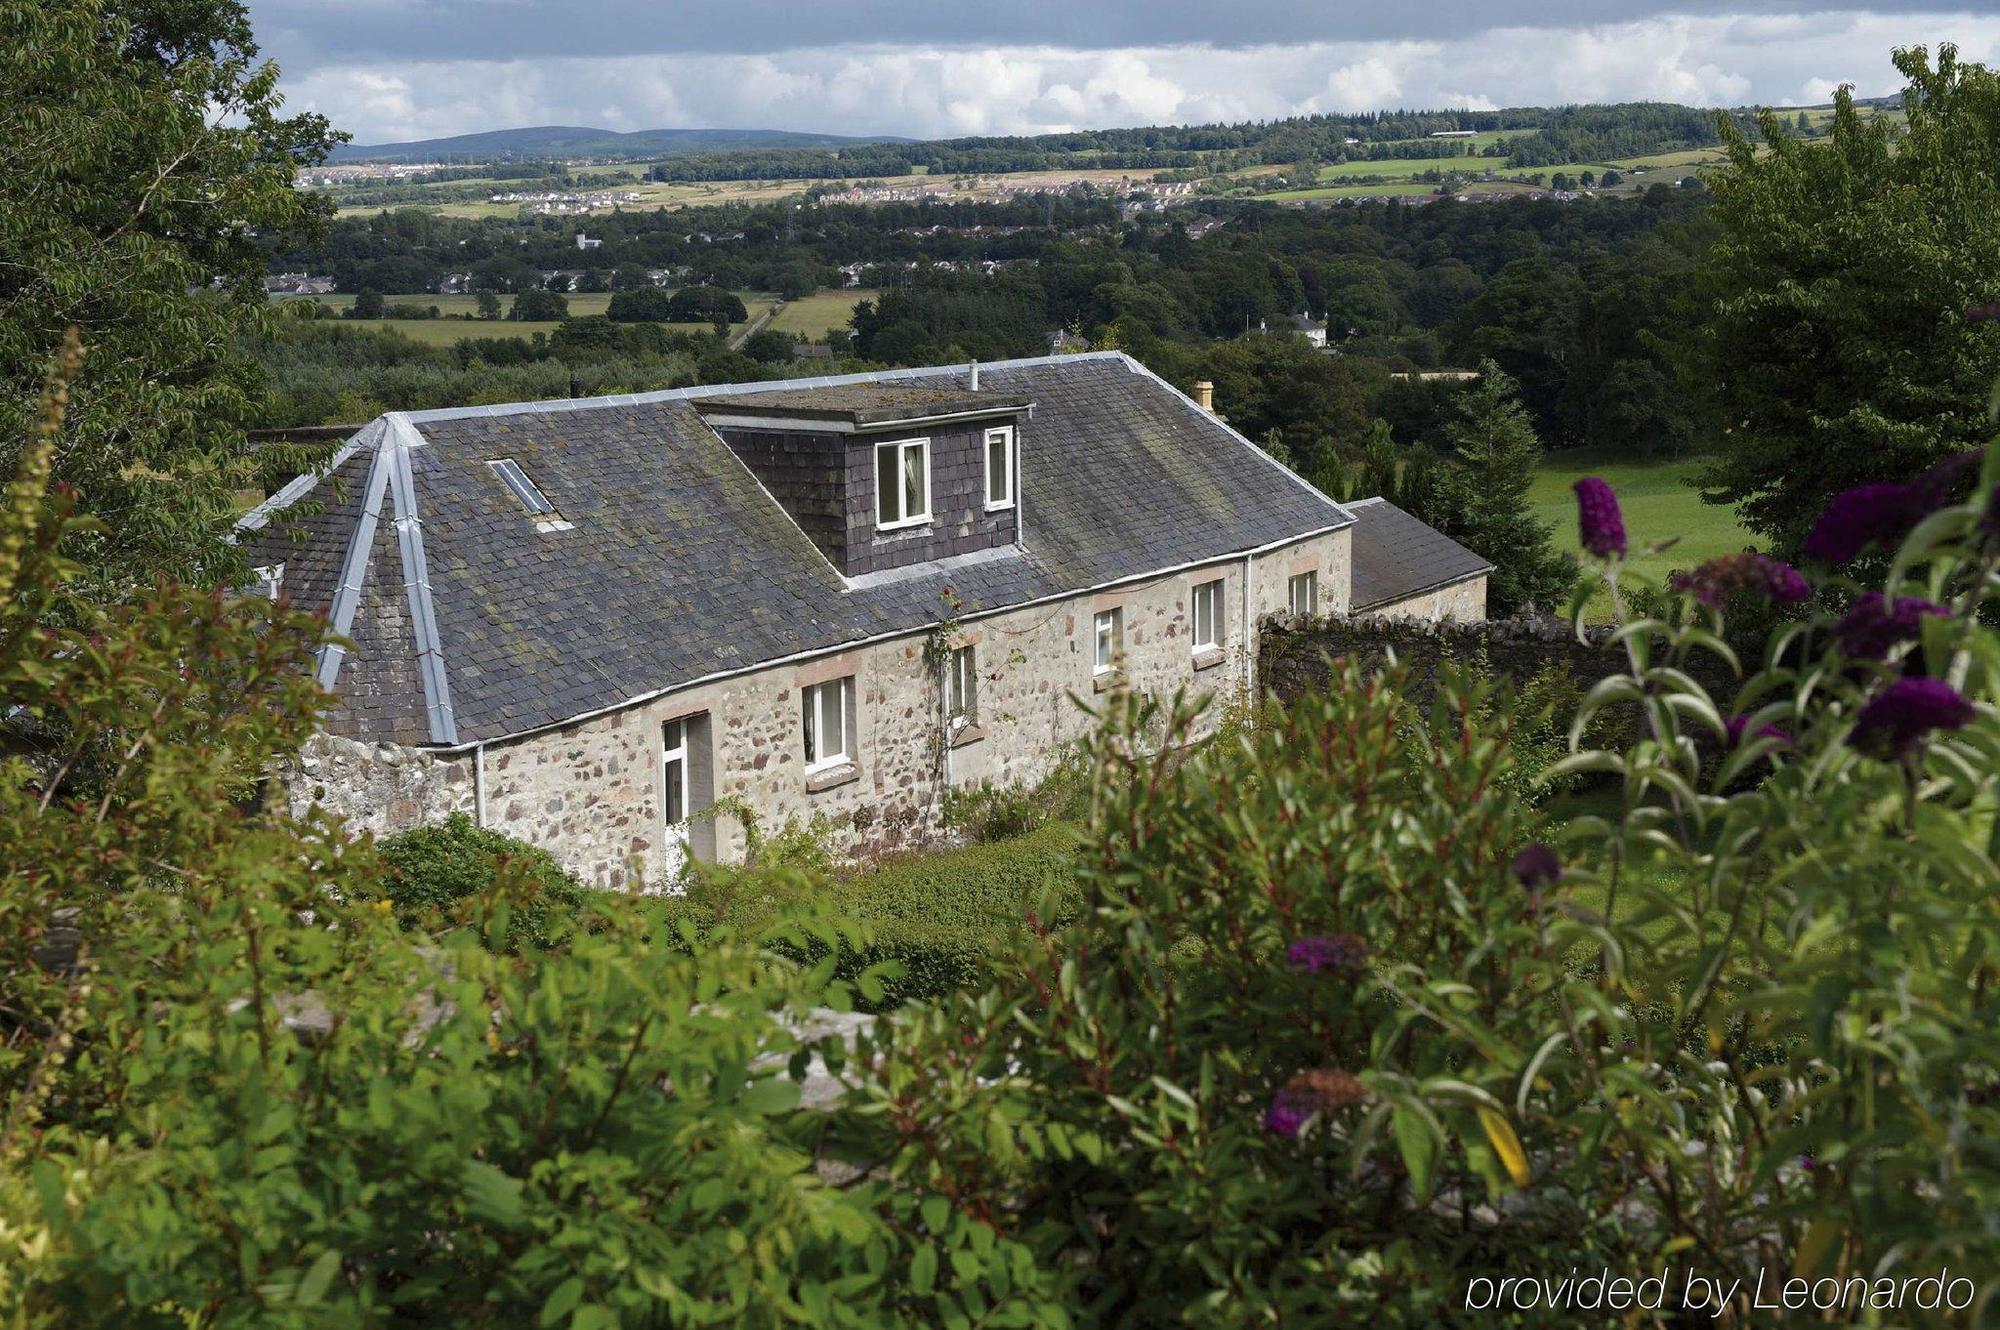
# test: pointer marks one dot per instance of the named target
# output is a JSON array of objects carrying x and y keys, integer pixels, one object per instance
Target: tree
[
  {"x": 367, "y": 305},
  {"x": 1493, "y": 451},
  {"x": 646, "y": 305},
  {"x": 1611, "y": 180},
  {"x": 1840, "y": 337},
  {"x": 148, "y": 174},
  {"x": 543, "y": 305},
  {"x": 770, "y": 347},
  {"x": 489, "y": 305},
  {"x": 696, "y": 304}
]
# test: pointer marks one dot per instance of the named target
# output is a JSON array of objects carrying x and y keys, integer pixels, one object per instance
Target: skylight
[{"x": 524, "y": 488}]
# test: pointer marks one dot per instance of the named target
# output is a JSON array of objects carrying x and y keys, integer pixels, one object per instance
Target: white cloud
[{"x": 929, "y": 90}]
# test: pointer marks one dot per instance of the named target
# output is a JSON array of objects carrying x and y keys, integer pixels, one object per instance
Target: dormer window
[
  {"x": 1000, "y": 468},
  {"x": 902, "y": 484},
  {"x": 529, "y": 495}
]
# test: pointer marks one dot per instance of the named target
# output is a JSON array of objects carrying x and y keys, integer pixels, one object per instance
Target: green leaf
[
  {"x": 1418, "y": 1144},
  {"x": 318, "y": 1278},
  {"x": 491, "y": 1194},
  {"x": 923, "y": 1270},
  {"x": 562, "y": 1300}
]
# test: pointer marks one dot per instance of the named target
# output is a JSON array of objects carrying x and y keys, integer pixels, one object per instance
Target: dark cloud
[{"x": 305, "y": 34}]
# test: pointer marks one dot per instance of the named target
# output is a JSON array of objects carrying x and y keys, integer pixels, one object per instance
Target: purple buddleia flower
[
  {"x": 1715, "y": 581},
  {"x": 1901, "y": 715},
  {"x": 1600, "y": 525},
  {"x": 1739, "y": 724},
  {"x": 1874, "y": 624},
  {"x": 1859, "y": 517},
  {"x": 1289, "y": 1112},
  {"x": 1536, "y": 866},
  {"x": 1341, "y": 954},
  {"x": 1886, "y": 511},
  {"x": 1320, "y": 1090}
]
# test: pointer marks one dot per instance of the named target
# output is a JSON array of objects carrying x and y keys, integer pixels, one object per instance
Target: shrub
[
  {"x": 436, "y": 871},
  {"x": 944, "y": 918},
  {"x": 1000, "y": 812}
]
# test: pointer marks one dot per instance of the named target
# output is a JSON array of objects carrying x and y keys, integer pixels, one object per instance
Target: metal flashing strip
[
  {"x": 401, "y": 439},
  {"x": 299, "y": 486},
  {"x": 354, "y": 564}
]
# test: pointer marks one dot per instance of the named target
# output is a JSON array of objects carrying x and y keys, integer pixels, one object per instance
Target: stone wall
[
  {"x": 1296, "y": 656},
  {"x": 377, "y": 787},
  {"x": 590, "y": 792}
]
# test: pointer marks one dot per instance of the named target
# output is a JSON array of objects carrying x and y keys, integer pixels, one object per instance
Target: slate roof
[
  {"x": 1396, "y": 556},
  {"x": 470, "y": 623}
]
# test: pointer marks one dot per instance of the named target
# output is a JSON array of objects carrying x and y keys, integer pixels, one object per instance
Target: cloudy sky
[{"x": 404, "y": 69}]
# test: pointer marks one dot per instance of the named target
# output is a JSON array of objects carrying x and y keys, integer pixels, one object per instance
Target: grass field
[
  {"x": 450, "y": 331},
  {"x": 1658, "y": 504},
  {"x": 815, "y": 315}
]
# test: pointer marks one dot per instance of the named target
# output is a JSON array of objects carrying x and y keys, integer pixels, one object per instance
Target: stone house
[{"x": 612, "y": 627}]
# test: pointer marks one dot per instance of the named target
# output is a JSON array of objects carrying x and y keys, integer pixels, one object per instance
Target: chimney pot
[
  {"x": 1204, "y": 395},
  {"x": 973, "y": 382}
]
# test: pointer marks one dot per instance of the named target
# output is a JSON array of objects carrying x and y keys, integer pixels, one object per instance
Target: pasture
[
  {"x": 1658, "y": 504},
  {"x": 813, "y": 316}
]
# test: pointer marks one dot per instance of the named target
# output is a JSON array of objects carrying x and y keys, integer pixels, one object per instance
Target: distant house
[
  {"x": 611, "y": 626},
  {"x": 1313, "y": 330},
  {"x": 1454, "y": 134},
  {"x": 585, "y": 242},
  {"x": 1063, "y": 342},
  {"x": 298, "y": 284}
]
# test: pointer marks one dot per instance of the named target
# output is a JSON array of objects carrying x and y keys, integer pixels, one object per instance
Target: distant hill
[{"x": 541, "y": 142}]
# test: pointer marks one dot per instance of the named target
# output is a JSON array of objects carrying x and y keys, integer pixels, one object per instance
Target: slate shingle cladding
[
  {"x": 1397, "y": 557},
  {"x": 678, "y": 565}
]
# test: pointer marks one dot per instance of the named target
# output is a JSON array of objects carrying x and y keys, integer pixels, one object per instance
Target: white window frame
[
  {"x": 1006, "y": 434},
  {"x": 903, "y": 449},
  {"x": 1310, "y": 581},
  {"x": 270, "y": 580},
  {"x": 1106, "y": 646},
  {"x": 815, "y": 699},
  {"x": 961, "y": 687},
  {"x": 1213, "y": 591}
]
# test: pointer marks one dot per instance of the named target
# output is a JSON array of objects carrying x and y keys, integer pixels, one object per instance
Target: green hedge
[
  {"x": 943, "y": 917},
  {"x": 434, "y": 868}
]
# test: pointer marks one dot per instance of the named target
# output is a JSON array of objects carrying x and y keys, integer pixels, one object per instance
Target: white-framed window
[
  {"x": 902, "y": 483},
  {"x": 961, "y": 687},
  {"x": 1000, "y": 465},
  {"x": 1108, "y": 636},
  {"x": 1303, "y": 594},
  {"x": 270, "y": 580},
  {"x": 1206, "y": 612},
  {"x": 829, "y": 709}
]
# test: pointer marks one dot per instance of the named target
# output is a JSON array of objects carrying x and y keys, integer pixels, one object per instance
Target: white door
[{"x": 673, "y": 798}]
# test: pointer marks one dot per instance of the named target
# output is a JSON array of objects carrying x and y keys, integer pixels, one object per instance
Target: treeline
[
  {"x": 1575, "y": 301},
  {"x": 1216, "y": 147},
  {"x": 321, "y": 372},
  {"x": 1600, "y": 133},
  {"x": 789, "y": 248}
]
